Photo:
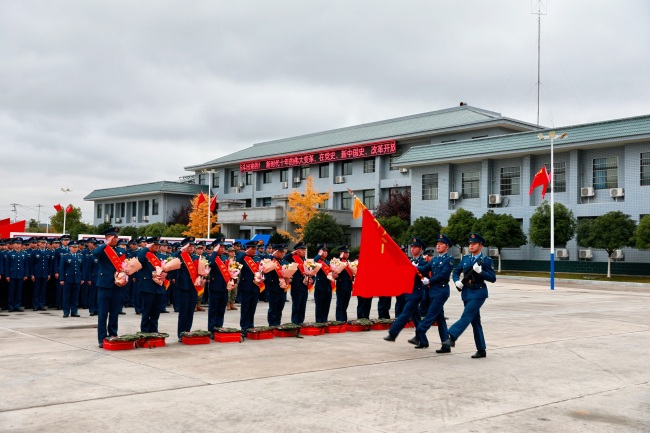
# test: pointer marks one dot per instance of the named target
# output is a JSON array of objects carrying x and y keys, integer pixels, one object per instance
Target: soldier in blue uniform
[
  {"x": 299, "y": 284},
  {"x": 343, "y": 286},
  {"x": 218, "y": 287},
  {"x": 187, "y": 294},
  {"x": 41, "y": 272},
  {"x": 436, "y": 273},
  {"x": 150, "y": 291},
  {"x": 71, "y": 278},
  {"x": 163, "y": 254},
  {"x": 91, "y": 270},
  {"x": 478, "y": 269},
  {"x": 3, "y": 283},
  {"x": 63, "y": 249},
  {"x": 248, "y": 290},
  {"x": 410, "y": 309},
  {"x": 109, "y": 294},
  {"x": 322, "y": 286},
  {"x": 16, "y": 270},
  {"x": 276, "y": 294}
]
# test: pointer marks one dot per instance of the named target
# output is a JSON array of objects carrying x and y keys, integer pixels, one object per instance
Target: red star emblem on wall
[{"x": 244, "y": 216}]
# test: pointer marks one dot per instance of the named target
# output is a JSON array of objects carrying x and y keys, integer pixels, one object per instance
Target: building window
[
  {"x": 201, "y": 179},
  {"x": 510, "y": 181},
  {"x": 121, "y": 210},
  {"x": 346, "y": 168},
  {"x": 134, "y": 210},
  {"x": 265, "y": 201},
  {"x": 109, "y": 210},
  {"x": 325, "y": 204},
  {"x": 234, "y": 179},
  {"x": 430, "y": 186},
  {"x": 154, "y": 206},
  {"x": 645, "y": 169},
  {"x": 268, "y": 175},
  {"x": 99, "y": 211},
  {"x": 284, "y": 175},
  {"x": 346, "y": 201},
  {"x": 471, "y": 183},
  {"x": 369, "y": 198},
  {"x": 304, "y": 173},
  {"x": 249, "y": 178},
  {"x": 146, "y": 208},
  {"x": 559, "y": 176},
  {"x": 324, "y": 171},
  {"x": 606, "y": 173},
  {"x": 215, "y": 181},
  {"x": 393, "y": 158},
  {"x": 369, "y": 165}
]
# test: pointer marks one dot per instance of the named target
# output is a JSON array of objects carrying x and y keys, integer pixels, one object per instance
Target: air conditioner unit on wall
[
  {"x": 617, "y": 192},
  {"x": 403, "y": 170},
  {"x": 145, "y": 218},
  {"x": 493, "y": 252},
  {"x": 296, "y": 180},
  {"x": 134, "y": 219},
  {"x": 587, "y": 191},
  {"x": 454, "y": 195},
  {"x": 107, "y": 218},
  {"x": 285, "y": 185},
  {"x": 586, "y": 254},
  {"x": 241, "y": 184},
  {"x": 339, "y": 179},
  {"x": 495, "y": 199},
  {"x": 118, "y": 220},
  {"x": 562, "y": 253},
  {"x": 236, "y": 190},
  {"x": 617, "y": 255}
]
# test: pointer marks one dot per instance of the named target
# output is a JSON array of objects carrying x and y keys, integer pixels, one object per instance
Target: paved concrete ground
[{"x": 573, "y": 360}]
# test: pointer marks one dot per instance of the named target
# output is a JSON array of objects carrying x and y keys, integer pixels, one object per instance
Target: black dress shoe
[
  {"x": 444, "y": 349},
  {"x": 415, "y": 340},
  {"x": 164, "y": 311},
  {"x": 422, "y": 346},
  {"x": 92, "y": 314},
  {"x": 451, "y": 342},
  {"x": 44, "y": 309},
  {"x": 480, "y": 354},
  {"x": 21, "y": 309},
  {"x": 75, "y": 315},
  {"x": 389, "y": 337},
  {"x": 65, "y": 316},
  {"x": 122, "y": 312},
  {"x": 101, "y": 345}
]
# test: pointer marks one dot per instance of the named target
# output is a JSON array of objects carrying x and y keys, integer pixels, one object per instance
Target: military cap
[
  {"x": 344, "y": 249},
  {"x": 133, "y": 242},
  {"x": 154, "y": 240},
  {"x": 18, "y": 241},
  {"x": 56, "y": 241},
  {"x": 73, "y": 244},
  {"x": 300, "y": 246},
  {"x": 188, "y": 241},
  {"x": 32, "y": 240},
  {"x": 428, "y": 253},
  {"x": 82, "y": 242},
  {"x": 42, "y": 239},
  {"x": 200, "y": 244},
  {"x": 251, "y": 244},
  {"x": 121, "y": 242},
  {"x": 142, "y": 239},
  {"x": 64, "y": 237},
  {"x": 111, "y": 231},
  {"x": 417, "y": 243},
  {"x": 91, "y": 241},
  {"x": 3, "y": 242},
  {"x": 218, "y": 241},
  {"x": 475, "y": 237},
  {"x": 100, "y": 242},
  {"x": 164, "y": 243},
  {"x": 321, "y": 247},
  {"x": 444, "y": 239},
  {"x": 237, "y": 243},
  {"x": 231, "y": 249},
  {"x": 279, "y": 246}
]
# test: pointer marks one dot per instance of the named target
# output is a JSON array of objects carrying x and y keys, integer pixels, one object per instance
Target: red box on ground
[
  {"x": 280, "y": 333},
  {"x": 196, "y": 340},
  {"x": 335, "y": 329},
  {"x": 118, "y": 345},
  {"x": 311, "y": 330},
  {"x": 232, "y": 337},
  {"x": 356, "y": 328},
  {"x": 380, "y": 326},
  {"x": 409, "y": 324},
  {"x": 150, "y": 343},
  {"x": 262, "y": 335}
]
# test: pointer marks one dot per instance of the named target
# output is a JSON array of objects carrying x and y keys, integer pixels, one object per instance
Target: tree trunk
[
  {"x": 499, "y": 271},
  {"x": 609, "y": 265}
]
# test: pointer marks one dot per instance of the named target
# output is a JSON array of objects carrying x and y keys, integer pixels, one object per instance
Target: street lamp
[
  {"x": 65, "y": 210},
  {"x": 553, "y": 137}
]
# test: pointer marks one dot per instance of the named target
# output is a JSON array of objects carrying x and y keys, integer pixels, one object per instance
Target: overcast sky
[{"x": 98, "y": 94}]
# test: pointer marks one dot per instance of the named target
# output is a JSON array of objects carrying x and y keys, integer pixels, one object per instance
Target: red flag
[
  {"x": 68, "y": 209},
  {"x": 213, "y": 203},
  {"x": 541, "y": 179},
  {"x": 200, "y": 200},
  {"x": 58, "y": 207},
  {"x": 384, "y": 269}
]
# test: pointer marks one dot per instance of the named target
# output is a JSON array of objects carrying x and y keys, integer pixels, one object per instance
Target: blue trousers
[
  {"x": 150, "y": 312},
  {"x": 298, "y": 305},
  {"x": 276, "y": 300},
  {"x": 363, "y": 307},
  {"x": 187, "y": 300},
  {"x": 40, "y": 289},
  {"x": 59, "y": 294},
  {"x": 409, "y": 312},
  {"x": 342, "y": 303},
  {"x": 383, "y": 307},
  {"x": 217, "y": 302},
  {"x": 435, "y": 313},
  {"x": 471, "y": 315},
  {"x": 400, "y": 302},
  {"x": 92, "y": 298},
  {"x": 249, "y": 302},
  {"x": 323, "y": 299},
  {"x": 15, "y": 293},
  {"x": 83, "y": 295},
  {"x": 70, "y": 298},
  {"x": 109, "y": 301},
  {"x": 137, "y": 296}
]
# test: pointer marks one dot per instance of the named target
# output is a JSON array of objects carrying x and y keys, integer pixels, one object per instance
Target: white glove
[
  {"x": 459, "y": 285},
  {"x": 425, "y": 281},
  {"x": 477, "y": 268},
  {"x": 414, "y": 264}
]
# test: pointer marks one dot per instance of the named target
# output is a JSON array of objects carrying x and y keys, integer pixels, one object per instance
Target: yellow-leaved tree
[
  {"x": 302, "y": 208},
  {"x": 198, "y": 226}
]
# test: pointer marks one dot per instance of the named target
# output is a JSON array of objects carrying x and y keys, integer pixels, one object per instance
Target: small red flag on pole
[
  {"x": 213, "y": 203},
  {"x": 58, "y": 207},
  {"x": 541, "y": 179},
  {"x": 200, "y": 200},
  {"x": 68, "y": 209}
]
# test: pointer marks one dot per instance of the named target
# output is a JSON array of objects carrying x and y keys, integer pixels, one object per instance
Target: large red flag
[
  {"x": 213, "y": 203},
  {"x": 541, "y": 179},
  {"x": 200, "y": 200},
  {"x": 384, "y": 269},
  {"x": 58, "y": 207},
  {"x": 68, "y": 209}
]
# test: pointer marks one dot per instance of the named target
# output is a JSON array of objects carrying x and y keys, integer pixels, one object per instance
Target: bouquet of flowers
[
  {"x": 311, "y": 267},
  {"x": 171, "y": 264},
  {"x": 203, "y": 266},
  {"x": 159, "y": 275},
  {"x": 289, "y": 270},
  {"x": 121, "y": 279},
  {"x": 235, "y": 270},
  {"x": 131, "y": 266},
  {"x": 353, "y": 267},
  {"x": 267, "y": 265}
]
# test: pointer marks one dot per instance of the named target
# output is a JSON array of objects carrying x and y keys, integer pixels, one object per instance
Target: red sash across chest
[
  {"x": 251, "y": 264},
  {"x": 189, "y": 264},
  {"x": 114, "y": 258},
  {"x": 223, "y": 268}
]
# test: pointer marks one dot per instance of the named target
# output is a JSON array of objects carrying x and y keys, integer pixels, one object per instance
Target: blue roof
[{"x": 164, "y": 186}]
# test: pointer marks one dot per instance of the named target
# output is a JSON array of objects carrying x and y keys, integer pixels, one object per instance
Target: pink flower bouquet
[
  {"x": 171, "y": 264},
  {"x": 131, "y": 266}
]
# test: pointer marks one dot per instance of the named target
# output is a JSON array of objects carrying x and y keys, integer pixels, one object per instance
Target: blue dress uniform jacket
[
  {"x": 250, "y": 295},
  {"x": 71, "y": 268},
  {"x": 151, "y": 294},
  {"x": 438, "y": 270},
  {"x": 109, "y": 295},
  {"x": 41, "y": 264},
  {"x": 218, "y": 299},
  {"x": 276, "y": 295},
  {"x": 473, "y": 296},
  {"x": 299, "y": 294},
  {"x": 91, "y": 272},
  {"x": 16, "y": 268},
  {"x": 187, "y": 296},
  {"x": 322, "y": 293}
]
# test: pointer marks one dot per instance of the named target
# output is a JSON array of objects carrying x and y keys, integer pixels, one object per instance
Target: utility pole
[
  {"x": 15, "y": 211},
  {"x": 39, "y": 206}
]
